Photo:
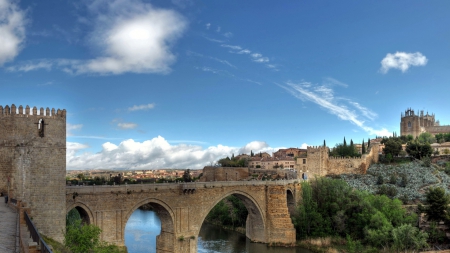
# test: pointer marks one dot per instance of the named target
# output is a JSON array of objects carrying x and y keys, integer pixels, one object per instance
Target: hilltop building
[{"x": 415, "y": 124}]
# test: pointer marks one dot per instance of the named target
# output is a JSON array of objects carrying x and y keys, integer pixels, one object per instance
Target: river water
[{"x": 143, "y": 227}]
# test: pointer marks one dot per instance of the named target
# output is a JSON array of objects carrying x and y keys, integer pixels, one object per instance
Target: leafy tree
[
  {"x": 418, "y": 150},
  {"x": 187, "y": 176},
  {"x": 392, "y": 146},
  {"x": 426, "y": 138},
  {"x": 438, "y": 201},
  {"x": 407, "y": 237}
]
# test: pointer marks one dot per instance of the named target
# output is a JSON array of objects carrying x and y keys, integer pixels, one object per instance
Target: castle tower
[
  {"x": 33, "y": 164},
  {"x": 317, "y": 160}
]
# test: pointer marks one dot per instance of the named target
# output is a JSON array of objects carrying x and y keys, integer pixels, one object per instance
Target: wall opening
[
  {"x": 290, "y": 202},
  {"x": 149, "y": 228},
  {"x": 236, "y": 211},
  {"x": 78, "y": 213}
]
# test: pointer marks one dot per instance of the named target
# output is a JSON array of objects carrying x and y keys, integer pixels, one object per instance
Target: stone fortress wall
[
  {"x": 319, "y": 163},
  {"x": 33, "y": 163}
]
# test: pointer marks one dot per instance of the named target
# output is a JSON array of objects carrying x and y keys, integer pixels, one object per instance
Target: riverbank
[{"x": 240, "y": 230}]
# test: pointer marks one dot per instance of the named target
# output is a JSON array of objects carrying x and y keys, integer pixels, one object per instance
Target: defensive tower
[{"x": 33, "y": 163}]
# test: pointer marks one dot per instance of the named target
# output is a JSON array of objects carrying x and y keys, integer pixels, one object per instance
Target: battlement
[
  {"x": 348, "y": 158},
  {"x": 13, "y": 111},
  {"x": 316, "y": 148}
]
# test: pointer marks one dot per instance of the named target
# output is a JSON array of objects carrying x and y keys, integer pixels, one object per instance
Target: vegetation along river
[{"x": 143, "y": 227}]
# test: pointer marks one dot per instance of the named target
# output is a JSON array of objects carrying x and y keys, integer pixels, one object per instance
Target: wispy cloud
[
  {"x": 232, "y": 47},
  {"x": 143, "y": 107},
  {"x": 213, "y": 40},
  {"x": 402, "y": 61},
  {"x": 72, "y": 127},
  {"x": 218, "y": 29},
  {"x": 323, "y": 96},
  {"x": 226, "y": 73},
  {"x": 12, "y": 30},
  {"x": 190, "y": 53},
  {"x": 257, "y": 57},
  {"x": 333, "y": 81},
  {"x": 127, "y": 125},
  {"x": 228, "y": 34},
  {"x": 208, "y": 26}
]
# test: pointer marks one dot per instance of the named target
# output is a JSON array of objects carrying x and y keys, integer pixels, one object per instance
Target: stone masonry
[
  {"x": 33, "y": 163},
  {"x": 182, "y": 209}
]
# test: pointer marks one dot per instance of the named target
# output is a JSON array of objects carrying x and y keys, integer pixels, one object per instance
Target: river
[{"x": 143, "y": 227}]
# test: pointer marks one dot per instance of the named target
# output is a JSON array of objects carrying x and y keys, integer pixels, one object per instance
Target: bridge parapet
[{"x": 125, "y": 188}]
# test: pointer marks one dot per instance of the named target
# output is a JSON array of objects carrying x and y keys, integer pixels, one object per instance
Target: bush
[{"x": 389, "y": 191}]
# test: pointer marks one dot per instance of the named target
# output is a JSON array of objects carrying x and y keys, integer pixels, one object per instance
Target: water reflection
[{"x": 143, "y": 227}]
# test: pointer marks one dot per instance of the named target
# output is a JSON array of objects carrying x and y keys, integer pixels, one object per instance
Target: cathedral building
[{"x": 415, "y": 124}]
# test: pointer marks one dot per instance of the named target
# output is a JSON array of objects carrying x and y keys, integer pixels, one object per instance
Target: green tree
[
  {"x": 426, "y": 138},
  {"x": 418, "y": 150},
  {"x": 392, "y": 146},
  {"x": 407, "y": 237},
  {"x": 438, "y": 201},
  {"x": 187, "y": 176},
  {"x": 363, "y": 148},
  {"x": 82, "y": 238}
]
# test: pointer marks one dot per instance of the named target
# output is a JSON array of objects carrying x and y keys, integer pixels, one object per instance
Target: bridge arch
[
  {"x": 85, "y": 212},
  {"x": 166, "y": 239},
  {"x": 290, "y": 200},
  {"x": 256, "y": 220}
]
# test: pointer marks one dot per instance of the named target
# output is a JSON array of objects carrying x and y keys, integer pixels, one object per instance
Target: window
[
  {"x": 304, "y": 161},
  {"x": 409, "y": 124}
]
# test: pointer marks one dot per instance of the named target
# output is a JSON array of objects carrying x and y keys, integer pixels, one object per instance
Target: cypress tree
[
  {"x": 345, "y": 142},
  {"x": 251, "y": 153},
  {"x": 368, "y": 143},
  {"x": 363, "y": 148},
  {"x": 324, "y": 144}
]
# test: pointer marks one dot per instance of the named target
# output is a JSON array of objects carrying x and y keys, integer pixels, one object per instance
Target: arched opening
[
  {"x": 149, "y": 227},
  {"x": 290, "y": 202},
  {"x": 81, "y": 212},
  {"x": 236, "y": 211}
]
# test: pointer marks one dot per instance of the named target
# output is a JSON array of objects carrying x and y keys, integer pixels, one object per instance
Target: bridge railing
[
  {"x": 125, "y": 188},
  {"x": 35, "y": 235}
]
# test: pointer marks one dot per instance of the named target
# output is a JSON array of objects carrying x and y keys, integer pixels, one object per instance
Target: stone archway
[
  {"x": 290, "y": 201},
  {"x": 165, "y": 241},
  {"x": 256, "y": 222},
  {"x": 85, "y": 212}
]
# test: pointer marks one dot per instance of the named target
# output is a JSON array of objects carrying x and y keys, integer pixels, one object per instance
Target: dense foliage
[
  {"x": 230, "y": 211},
  {"x": 344, "y": 150},
  {"x": 85, "y": 238},
  {"x": 233, "y": 162},
  {"x": 330, "y": 207},
  {"x": 442, "y": 137}
]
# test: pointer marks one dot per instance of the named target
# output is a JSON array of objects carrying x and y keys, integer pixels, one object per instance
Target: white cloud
[
  {"x": 126, "y": 125},
  {"x": 323, "y": 96},
  {"x": 30, "y": 65},
  {"x": 131, "y": 36},
  {"x": 244, "y": 51},
  {"x": 208, "y": 26},
  {"x": 12, "y": 30},
  {"x": 256, "y": 57},
  {"x": 71, "y": 127},
  {"x": 228, "y": 34},
  {"x": 402, "y": 61},
  {"x": 144, "y": 107},
  {"x": 232, "y": 47},
  {"x": 155, "y": 153}
]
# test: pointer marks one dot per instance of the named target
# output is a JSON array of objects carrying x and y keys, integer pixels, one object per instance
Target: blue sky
[{"x": 182, "y": 83}]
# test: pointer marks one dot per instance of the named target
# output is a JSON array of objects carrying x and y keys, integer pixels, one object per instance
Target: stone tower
[
  {"x": 33, "y": 163},
  {"x": 317, "y": 160},
  {"x": 414, "y": 124}
]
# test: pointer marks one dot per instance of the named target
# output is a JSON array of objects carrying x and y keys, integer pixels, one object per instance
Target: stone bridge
[{"x": 183, "y": 207}]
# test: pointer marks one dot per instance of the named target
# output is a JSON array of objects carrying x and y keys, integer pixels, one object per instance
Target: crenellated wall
[
  {"x": 320, "y": 164},
  {"x": 33, "y": 163}
]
